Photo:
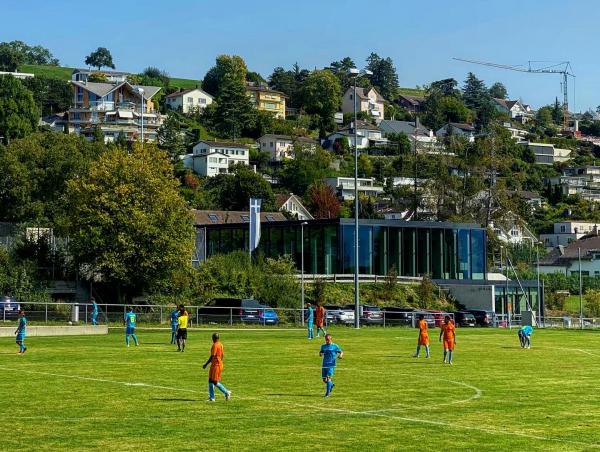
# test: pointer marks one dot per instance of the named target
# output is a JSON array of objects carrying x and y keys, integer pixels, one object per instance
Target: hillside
[{"x": 64, "y": 73}]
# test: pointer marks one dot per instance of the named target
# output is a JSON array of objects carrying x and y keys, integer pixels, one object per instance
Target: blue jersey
[
  {"x": 21, "y": 329},
  {"x": 174, "y": 316},
  {"x": 94, "y": 308},
  {"x": 527, "y": 330},
  {"x": 310, "y": 314},
  {"x": 330, "y": 354},
  {"x": 130, "y": 319}
]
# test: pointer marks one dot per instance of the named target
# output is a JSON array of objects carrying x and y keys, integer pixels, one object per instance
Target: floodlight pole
[
  {"x": 580, "y": 290},
  {"x": 539, "y": 296},
  {"x": 356, "y": 207},
  {"x": 302, "y": 270}
]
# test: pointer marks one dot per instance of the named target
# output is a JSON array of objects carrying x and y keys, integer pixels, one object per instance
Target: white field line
[
  {"x": 452, "y": 425},
  {"x": 580, "y": 350}
]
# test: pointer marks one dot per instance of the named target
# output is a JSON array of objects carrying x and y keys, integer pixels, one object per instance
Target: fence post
[
  {"x": 231, "y": 316},
  {"x": 46, "y": 317},
  {"x": 161, "y": 315},
  {"x": 197, "y": 316},
  {"x": 383, "y": 319}
]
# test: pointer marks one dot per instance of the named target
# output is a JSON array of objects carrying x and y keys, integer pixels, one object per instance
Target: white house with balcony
[
  {"x": 344, "y": 187},
  {"x": 548, "y": 154},
  {"x": 235, "y": 152},
  {"x": 292, "y": 204},
  {"x": 82, "y": 75},
  {"x": 565, "y": 232},
  {"x": 210, "y": 164},
  {"x": 281, "y": 147},
  {"x": 368, "y": 135},
  {"x": 188, "y": 100},
  {"x": 367, "y": 100}
]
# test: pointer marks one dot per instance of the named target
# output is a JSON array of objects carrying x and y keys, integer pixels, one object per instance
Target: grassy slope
[{"x": 529, "y": 400}]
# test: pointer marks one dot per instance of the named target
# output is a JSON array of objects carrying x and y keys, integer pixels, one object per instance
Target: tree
[
  {"x": 52, "y": 95},
  {"x": 592, "y": 303},
  {"x": 234, "y": 111},
  {"x": 399, "y": 143},
  {"x": 255, "y": 77},
  {"x": 233, "y": 65},
  {"x": 305, "y": 168},
  {"x": 289, "y": 82},
  {"x": 322, "y": 201},
  {"x": 18, "y": 113},
  {"x": 322, "y": 96},
  {"x": 10, "y": 60},
  {"x": 128, "y": 223},
  {"x": 153, "y": 76},
  {"x": 99, "y": 58},
  {"x": 384, "y": 76},
  {"x": 477, "y": 97},
  {"x": 32, "y": 54},
  {"x": 544, "y": 116},
  {"x": 498, "y": 91},
  {"x": 233, "y": 191},
  {"x": 341, "y": 70},
  {"x": 557, "y": 112},
  {"x": 170, "y": 137},
  {"x": 446, "y": 87}
]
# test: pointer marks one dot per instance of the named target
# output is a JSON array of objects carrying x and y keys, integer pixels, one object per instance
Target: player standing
[
  {"x": 130, "y": 319},
  {"x": 423, "y": 337},
  {"x": 447, "y": 332},
  {"x": 174, "y": 316},
  {"x": 94, "y": 312},
  {"x": 310, "y": 318},
  {"x": 320, "y": 317},
  {"x": 330, "y": 352},
  {"x": 216, "y": 368},
  {"x": 525, "y": 333},
  {"x": 21, "y": 332},
  {"x": 182, "y": 324}
]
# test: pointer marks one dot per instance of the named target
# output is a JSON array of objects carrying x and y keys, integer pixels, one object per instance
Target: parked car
[
  {"x": 428, "y": 316},
  {"x": 371, "y": 315},
  {"x": 398, "y": 316},
  {"x": 483, "y": 317},
  {"x": 464, "y": 318},
  {"x": 438, "y": 317},
  {"x": 9, "y": 308},
  {"x": 225, "y": 310},
  {"x": 337, "y": 314}
]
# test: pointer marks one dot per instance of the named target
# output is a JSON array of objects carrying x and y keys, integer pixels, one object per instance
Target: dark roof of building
[
  {"x": 363, "y": 93},
  {"x": 185, "y": 91},
  {"x": 414, "y": 100},
  {"x": 102, "y": 89},
  {"x": 289, "y": 138},
  {"x": 563, "y": 255},
  {"x": 359, "y": 125},
  {"x": 508, "y": 104},
  {"x": 207, "y": 217},
  {"x": 90, "y": 71},
  {"x": 407, "y": 127},
  {"x": 224, "y": 144},
  {"x": 264, "y": 89},
  {"x": 462, "y": 126}
]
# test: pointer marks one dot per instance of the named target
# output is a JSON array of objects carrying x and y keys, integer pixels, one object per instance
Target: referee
[{"x": 182, "y": 324}]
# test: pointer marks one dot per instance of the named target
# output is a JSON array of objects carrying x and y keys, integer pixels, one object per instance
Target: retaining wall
[{"x": 75, "y": 330}]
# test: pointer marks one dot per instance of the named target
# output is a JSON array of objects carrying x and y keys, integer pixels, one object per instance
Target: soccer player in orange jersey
[
  {"x": 216, "y": 368},
  {"x": 320, "y": 320},
  {"x": 447, "y": 333},
  {"x": 423, "y": 337}
]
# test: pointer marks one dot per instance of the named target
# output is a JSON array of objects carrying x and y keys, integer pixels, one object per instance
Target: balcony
[{"x": 109, "y": 106}]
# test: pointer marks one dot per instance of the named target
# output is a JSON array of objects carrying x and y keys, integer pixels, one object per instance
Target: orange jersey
[
  {"x": 319, "y": 315},
  {"x": 448, "y": 332},
  {"x": 423, "y": 334},
  {"x": 216, "y": 364}
]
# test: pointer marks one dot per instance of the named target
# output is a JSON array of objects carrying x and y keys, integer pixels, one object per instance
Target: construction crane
[{"x": 562, "y": 68}]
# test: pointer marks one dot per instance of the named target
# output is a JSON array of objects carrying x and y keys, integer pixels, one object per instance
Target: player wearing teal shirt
[
  {"x": 130, "y": 319},
  {"x": 310, "y": 318},
  {"x": 94, "y": 312},
  {"x": 525, "y": 333},
  {"x": 174, "y": 316},
  {"x": 21, "y": 332},
  {"x": 330, "y": 352}
]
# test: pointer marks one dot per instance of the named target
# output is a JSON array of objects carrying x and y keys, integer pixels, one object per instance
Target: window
[
  {"x": 190, "y": 100},
  {"x": 242, "y": 152},
  {"x": 201, "y": 101},
  {"x": 563, "y": 228},
  {"x": 246, "y": 218},
  {"x": 271, "y": 144},
  {"x": 212, "y": 159},
  {"x": 270, "y": 218},
  {"x": 213, "y": 217}
]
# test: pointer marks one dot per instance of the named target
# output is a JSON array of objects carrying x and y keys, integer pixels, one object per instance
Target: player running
[
  {"x": 182, "y": 324},
  {"x": 423, "y": 337},
  {"x": 174, "y": 316},
  {"x": 21, "y": 332},
  {"x": 525, "y": 333},
  {"x": 320, "y": 317},
  {"x": 130, "y": 319},
  {"x": 310, "y": 318},
  {"x": 447, "y": 332},
  {"x": 330, "y": 352},
  {"x": 94, "y": 312},
  {"x": 216, "y": 368}
]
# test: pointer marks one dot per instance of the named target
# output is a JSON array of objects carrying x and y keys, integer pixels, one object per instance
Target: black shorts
[{"x": 182, "y": 333}]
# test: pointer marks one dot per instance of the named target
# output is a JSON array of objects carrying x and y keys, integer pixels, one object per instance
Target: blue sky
[{"x": 183, "y": 37}]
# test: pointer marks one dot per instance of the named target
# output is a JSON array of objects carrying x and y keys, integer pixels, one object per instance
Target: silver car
[{"x": 337, "y": 314}]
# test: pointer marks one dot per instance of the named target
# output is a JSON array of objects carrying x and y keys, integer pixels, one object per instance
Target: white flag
[{"x": 254, "y": 223}]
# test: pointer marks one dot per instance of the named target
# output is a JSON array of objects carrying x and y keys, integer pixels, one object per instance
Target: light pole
[
  {"x": 539, "y": 296},
  {"x": 580, "y": 290},
  {"x": 354, "y": 73},
  {"x": 141, "y": 91},
  {"x": 304, "y": 223}
]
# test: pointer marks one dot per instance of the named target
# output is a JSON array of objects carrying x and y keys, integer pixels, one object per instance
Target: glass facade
[{"x": 444, "y": 251}]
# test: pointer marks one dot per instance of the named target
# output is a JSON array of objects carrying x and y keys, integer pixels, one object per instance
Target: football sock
[
  {"x": 134, "y": 339},
  {"x": 445, "y": 354},
  {"x": 427, "y": 351},
  {"x": 329, "y": 385},
  {"x": 450, "y": 356},
  {"x": 21, "y": 347},
  {"x": 127, "y": 339},
  {"x": 418, "y": 350},
  {"x": 222, "y": 388},
  {"x": 211, "y": 390}
]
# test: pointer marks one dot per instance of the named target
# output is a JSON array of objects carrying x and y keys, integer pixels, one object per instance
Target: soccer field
[{"x": 93, "y": 393}]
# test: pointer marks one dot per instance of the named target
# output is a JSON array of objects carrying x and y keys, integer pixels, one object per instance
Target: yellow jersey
[{"x": 182, "y": 321}]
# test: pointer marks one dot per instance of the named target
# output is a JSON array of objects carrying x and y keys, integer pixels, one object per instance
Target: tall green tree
[
  {"x": 498, "y": 91},
  {"x": 32, "y": 54},
  {"x": 171, "y": 138},
  {"x": 231, "y": 65},
  {"x": 306, "y": 167},
  {"x": 128, "y": 223},
  {"x": 384, "y": 77},
  {"x": 51, "y": 95},
  {"x": 233, "y": 191},
  {"x": 341, "y": 70},
  {"x": 289, "y": 82},
  {"x": 18, "y": 113},
  {"x": 322, "y": 96},
  {"x": 10, "y": 59},
  {"x": 234, "y": 111},
  {"x": 99, "y": 58},
  {"x": 477, "y": 97}
]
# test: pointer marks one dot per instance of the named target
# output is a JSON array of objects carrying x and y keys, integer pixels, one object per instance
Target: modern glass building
[{"x": 445, "y": 251}]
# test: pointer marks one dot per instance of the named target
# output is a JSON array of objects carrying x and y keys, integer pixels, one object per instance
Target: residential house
[
  {"x": 56, "y": 123},
  {"x": 514, "y": 109},
  {"x": 533, "y": 199},
  {"x": 188, "y": 100},
  {"x": 367, "y": 100},
  {"x": 209, "y": 158},
  {"x": 425, "y": 139},
  {"x": 584, "y": 182},
  {"x": 515, "y": 133},
  {"x": 548, "y": 154},
  {"x": 368, "y": 136},
  {"x": 208, "y": 217},
  {"x": 413, "y": 104},
  {"x": 114, "y": 108},
  {"x": 281, "y": 147},
  {"x": 292, "y": 204},
  {"x": 82, "y": 75},
  {"x": 510, "y": 229},
  {"x": 465, "y": 130},
  {"x": 566, "y": 232},
  {"x": 566, "y": 259},
  {"x": 266, "y": 99},
  {"x": 344, "y": 187}
]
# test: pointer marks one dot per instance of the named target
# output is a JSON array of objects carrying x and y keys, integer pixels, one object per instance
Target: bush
[{"x": 592, "y": 303}]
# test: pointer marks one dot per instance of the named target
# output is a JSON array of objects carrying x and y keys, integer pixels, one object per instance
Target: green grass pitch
[{"x": 92, "y": 393}]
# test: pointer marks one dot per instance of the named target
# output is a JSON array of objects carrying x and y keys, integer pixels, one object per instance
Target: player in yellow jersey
[{"x": 182, "y": 324}]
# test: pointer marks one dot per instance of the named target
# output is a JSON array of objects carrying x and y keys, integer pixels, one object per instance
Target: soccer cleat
[
  {"x": 415, "y": 356},
  {"x": 210, "y": 400},
  {"x": 444, "y": 361},
  {"x": 25, "y": 349},
  {"x": 228, "y": 395}
]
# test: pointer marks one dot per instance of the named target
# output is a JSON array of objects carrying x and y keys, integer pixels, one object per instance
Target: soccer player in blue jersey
[
  {"x": 310, "y": 318},
  {"x": 174, "y": 316},
  {"x": 21, "y": 332},
  {"x": 130, "y": 319},
  {"x": 330, "y": 352},
  {"x": 94, "y": 312},
  {"x": 525, "y": 333}
]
